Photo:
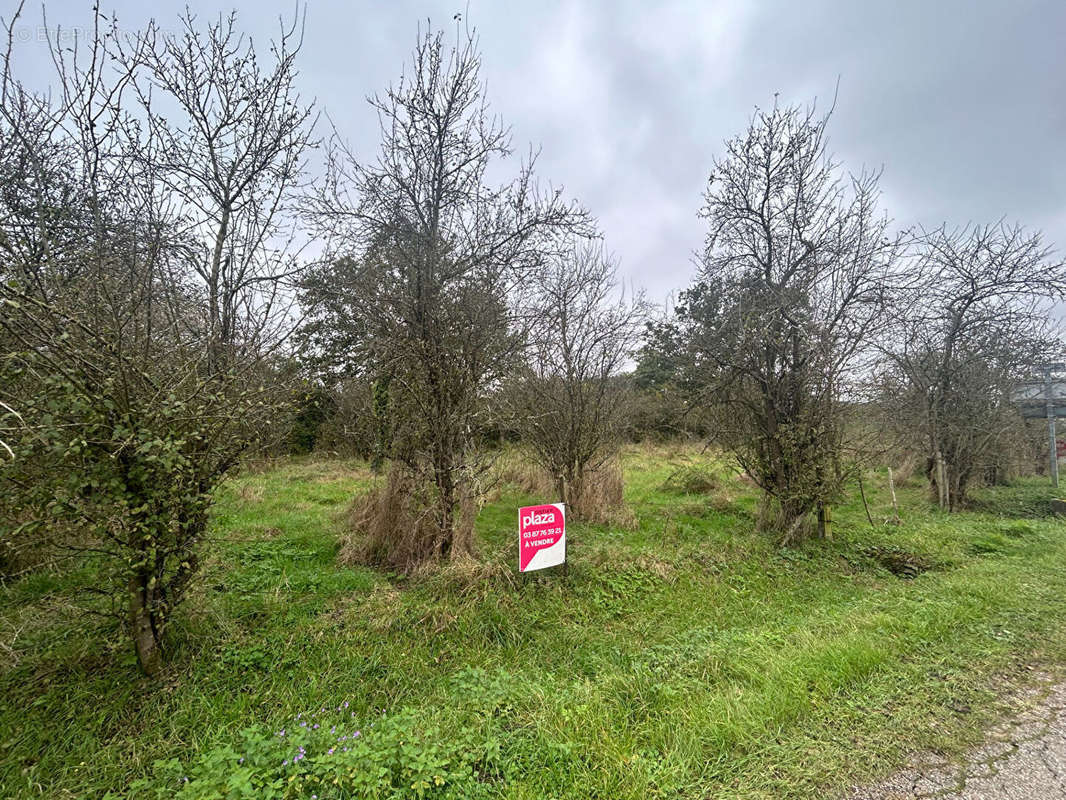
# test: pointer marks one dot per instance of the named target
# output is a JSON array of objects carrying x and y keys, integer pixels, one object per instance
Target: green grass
[{"x": 686, "y": 657}]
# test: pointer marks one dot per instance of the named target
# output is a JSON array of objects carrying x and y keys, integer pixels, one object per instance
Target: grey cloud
[{"x": 963, "y": 103}]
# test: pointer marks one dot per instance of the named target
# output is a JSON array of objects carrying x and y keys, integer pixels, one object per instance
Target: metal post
[{"x": 1054, "y": 464}]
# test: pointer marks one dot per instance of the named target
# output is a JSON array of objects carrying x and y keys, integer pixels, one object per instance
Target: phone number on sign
[{"x": 548, "y": 532}]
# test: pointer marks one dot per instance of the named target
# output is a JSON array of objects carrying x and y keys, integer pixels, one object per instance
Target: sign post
[
  {"x": 541, "y": 536},
  {"x": 1050, "y": 397}
]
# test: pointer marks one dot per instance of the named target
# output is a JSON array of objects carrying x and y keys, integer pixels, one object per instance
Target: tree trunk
[
  {"x": 957, "y": 487},
  {"x": 791, "y": 516},
  {"x": 143, "y": 626},
  {"x": 216, "y": 342},
  {"x": 446, "y": 509},
  {"x": 575, "y": 485},
  {"x": 940, "y": 480}
]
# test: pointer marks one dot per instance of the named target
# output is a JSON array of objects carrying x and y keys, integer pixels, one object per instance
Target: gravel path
[{"x": 1023, "y": 758}]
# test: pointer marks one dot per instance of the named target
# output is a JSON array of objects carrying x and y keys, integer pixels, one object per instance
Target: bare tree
[
  {"x": 569, "y": 400},
  {"x": 969, "y": 326},
  {"x": 794, "y": 279},
  {"x": 232, "y": 135},
  {"x": 35, "y": 154},
  {"x": 126, "y": 421},
  {"x": 440, "y": 251}
]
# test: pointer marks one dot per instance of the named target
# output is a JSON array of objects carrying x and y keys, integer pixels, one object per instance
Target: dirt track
[{"x": 1023, "y": 758}]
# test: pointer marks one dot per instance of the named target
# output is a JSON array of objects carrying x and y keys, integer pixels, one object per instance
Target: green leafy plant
[{"x": 327, "y": 755}]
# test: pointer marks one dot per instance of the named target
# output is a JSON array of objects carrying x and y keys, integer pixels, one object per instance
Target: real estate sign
[{"x": 541, "y": 536}]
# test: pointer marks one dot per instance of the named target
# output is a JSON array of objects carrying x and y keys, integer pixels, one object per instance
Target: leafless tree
[
  {"x": 232, "y": 134},
  {"x": 126, "y": 419},
  {"x": 440, "y": 252},
  {"x": 795, "y": 274},
  {"x": 569, "y": 400},
  {"x": 970, "y": 324}
]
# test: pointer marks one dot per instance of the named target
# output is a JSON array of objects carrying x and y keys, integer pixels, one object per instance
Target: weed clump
[
  {"x": 691, "y": 479},
  {"x": 476, "y": 579}
]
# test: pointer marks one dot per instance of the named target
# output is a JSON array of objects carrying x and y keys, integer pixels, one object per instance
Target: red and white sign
[{"x": 541, "y": 536}]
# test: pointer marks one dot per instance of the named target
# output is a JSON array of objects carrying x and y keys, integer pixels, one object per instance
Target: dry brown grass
[
  {"x": 523, "y": 473},
  {"x": 744, "y": 479},
  {"x": 663, "y": 570},
  {"x": 382, "y": 608},
  {"x": 394, "y": 525},
  {"x": 261, "y": 464},
  {"x": 476, "y": 579},
  {"x": 598, "y": 499},
  {"x": 672, "y": 449}
]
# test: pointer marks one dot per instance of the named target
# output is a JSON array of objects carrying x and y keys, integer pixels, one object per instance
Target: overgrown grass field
[{"x": 685, "y": 655}]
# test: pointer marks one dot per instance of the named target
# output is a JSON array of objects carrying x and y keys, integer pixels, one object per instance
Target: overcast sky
[{"x": 963, "y": 104}]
